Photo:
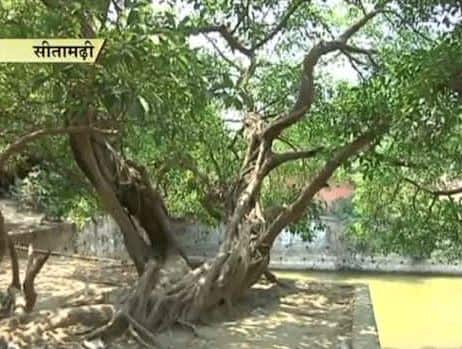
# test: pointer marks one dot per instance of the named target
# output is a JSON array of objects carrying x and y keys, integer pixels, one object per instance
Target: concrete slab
[
  {"x": 25, "y": 226},
  {"x": 365, "y": 334}
]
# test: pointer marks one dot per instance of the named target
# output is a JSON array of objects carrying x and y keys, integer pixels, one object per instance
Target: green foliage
[
  {"x": 48, "y": 191},
  {"x": 148, "y": 83},
  {"x": 421, "y": 152},
  {"x": 397, "y": 218},
  {"x": 415, "y": 96}
]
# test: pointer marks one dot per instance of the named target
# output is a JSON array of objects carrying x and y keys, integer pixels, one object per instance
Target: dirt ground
[{"x": 303, "y": 315}]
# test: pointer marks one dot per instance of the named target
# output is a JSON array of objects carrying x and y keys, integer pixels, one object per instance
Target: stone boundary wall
[
  {"x": 54, "y": 237},
  {"x": 327, "y": 251},
  {"x": 100, "y": 237},
  {"x": 392, "y": 264}
]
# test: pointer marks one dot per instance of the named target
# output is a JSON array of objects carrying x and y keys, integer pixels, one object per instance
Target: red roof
[{"x": 336, "y": 192}]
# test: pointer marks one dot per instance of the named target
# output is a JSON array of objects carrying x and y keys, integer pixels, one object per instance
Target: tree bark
[
  {"x": 128, "y": 196},
  {"x": 21, "y": 298},
  {"x": 172, "y": 291},
  {"x": 3, "y": 237}
]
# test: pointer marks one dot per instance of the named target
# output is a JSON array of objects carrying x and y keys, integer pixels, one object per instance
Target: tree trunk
[
  {"x": 171, "y": 291},
  {"x": 128, "y": 197},
  {"x": 20, "y": 298},
  {"x": 163, "y": 297},
  {"x": 3, "y": 237}
]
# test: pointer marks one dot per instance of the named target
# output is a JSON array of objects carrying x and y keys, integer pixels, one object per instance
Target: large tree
[{"x": 149, "y": 125}]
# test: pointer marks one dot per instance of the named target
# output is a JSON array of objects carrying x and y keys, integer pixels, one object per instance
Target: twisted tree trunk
[
  {"x": 171, "y": 291},
  {"x": 168, "y": 290}
]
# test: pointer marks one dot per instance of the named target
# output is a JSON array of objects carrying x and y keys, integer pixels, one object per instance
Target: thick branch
[
  {"x": 281, "y": 158},
  {"x": 21, "y": 142},
  {"x": 285, "y": 18},
  {"x": 306, "y": 90},
  {"x": 296, "y": 210},
  {"x": 448, "y": 192},
  {"x": 224, "y": 31},
  {"x": 359, "y": 50},
  {"x": 85, "y": 155}
]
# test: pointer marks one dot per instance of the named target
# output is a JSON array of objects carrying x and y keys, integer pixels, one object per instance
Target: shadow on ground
[{"x": 301, "y": 315}]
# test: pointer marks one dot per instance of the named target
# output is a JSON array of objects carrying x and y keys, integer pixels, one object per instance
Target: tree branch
[
  {"x": 406, "y": 23},
  {"x": 21, "y": 142},
  {"x": 347, "y": 34},
  {"x": 3, "y": 237},
  {"x": 355, "y": 63},
  {"x": 15, "y": 279},
  {"x": 289, "y": 143},
  {"x": 34, "y": 265},
  {"x": 296, "y": 210},
  {"x": 285, "y": 18},
  {"x": 306, "y": 90},
  {"x": 397, "y": 162},
  {"x": 224, "y": 31},
  {"x": 281, "y": 158},
  {"x": 222, "y": 55},
  {"x": 369, "y": 53},
  {"x": 236, "y": 44},
  {"x": 446, "y": 192}
]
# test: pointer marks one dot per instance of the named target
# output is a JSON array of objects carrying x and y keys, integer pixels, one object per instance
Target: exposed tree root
[
  {"x": 140, "y": 331},
  {"x": 163, "y": 298},
  {"x": 28, "y": 330},
  {"x": 138, "y": 338},
  {"x": 20, "y": 299},
  {"x": 190, "y": 326},
  {"x": 274, "y": 279}
]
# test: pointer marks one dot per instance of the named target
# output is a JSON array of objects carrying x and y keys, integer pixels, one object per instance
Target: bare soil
[{"x": 302, "y": 315}]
